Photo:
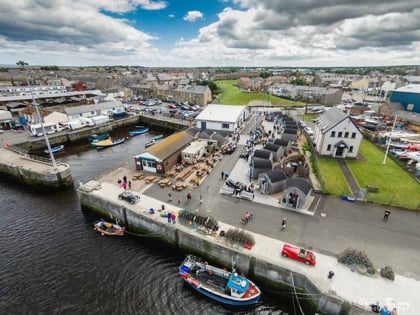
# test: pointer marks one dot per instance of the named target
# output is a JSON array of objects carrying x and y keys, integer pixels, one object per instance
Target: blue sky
[{"x": 181, "y": 33}]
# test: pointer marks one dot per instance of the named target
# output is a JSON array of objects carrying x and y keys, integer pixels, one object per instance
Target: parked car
[
  {"x": 299, "y": 254},
  {"x": 129, "y": 197},
  {"x": 172, "y": 106},
  {"x": 308, "y": 131}
]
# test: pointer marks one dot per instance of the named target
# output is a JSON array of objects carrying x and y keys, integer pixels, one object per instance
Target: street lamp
[{"x": 35, "y": 105}]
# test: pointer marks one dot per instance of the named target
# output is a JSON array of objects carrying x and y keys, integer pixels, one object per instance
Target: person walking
[
  {"x": 169, "y": 217},
  {"x": 386, "y": 215},
  {"x": 283, "y": 223},
  {"x": 179, "y": 200},
  {"x": 189, "y": 196},
  {"x": 201, "y": 199},
  {"x": 173, "y": 218},
  {"x": 169, "y": 196}
]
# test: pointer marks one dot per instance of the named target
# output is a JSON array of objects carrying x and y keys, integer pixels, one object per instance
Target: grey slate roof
[
  {"x": 330, "y": 119},
  {"x": 290, "y": 131},
  {"x": 263, "y": 154},
  {"x": 276, "y": 175},
  {"x": 93, "y": 107},
  {"x": 262, "y": 164},
  {"x": 281, "y": 142},
  {"x": 299, "y": 183},
  {"x": 272, "y": 147}
]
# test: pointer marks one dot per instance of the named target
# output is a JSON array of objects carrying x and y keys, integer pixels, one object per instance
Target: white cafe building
[{"x": 222, "y": 117}]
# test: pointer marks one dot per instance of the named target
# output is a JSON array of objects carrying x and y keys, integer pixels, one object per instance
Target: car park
[
  {"x": 129, "y": 197},
  {"x": 299, "y": 254}
]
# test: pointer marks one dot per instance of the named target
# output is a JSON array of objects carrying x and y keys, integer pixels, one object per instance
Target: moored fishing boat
[
  {"x": 153, "y": 141},
  {"x": 99, "y": 137},
  {"x": 138, "y": 132},
  {"x": 108, "y": 228},
  {"x": 227, "y": 287},
  {"x": 55, "y": 149},
  {"x": 108, "y": 143}
]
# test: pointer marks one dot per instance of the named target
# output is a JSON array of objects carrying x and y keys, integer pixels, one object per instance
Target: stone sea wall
[{"x": 270, "y": 276}]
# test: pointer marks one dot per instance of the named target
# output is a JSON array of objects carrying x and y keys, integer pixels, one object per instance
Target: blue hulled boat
[
  {"x": 55, "y": 149},
  {"x": 227, "y": 287},
  {"x": 153, "y": 141},
  {"x": 100, "y": 137},
  {"x": 138, "y": 132}
]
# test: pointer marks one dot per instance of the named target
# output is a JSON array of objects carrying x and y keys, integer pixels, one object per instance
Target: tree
[{"x": 265, "y": 74}]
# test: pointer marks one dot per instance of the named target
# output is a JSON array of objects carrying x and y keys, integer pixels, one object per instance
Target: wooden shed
[
  {"x": 296, "y": 193},
  {"x": 272, "y": 182},
  {"x": 259, "y": 166}
]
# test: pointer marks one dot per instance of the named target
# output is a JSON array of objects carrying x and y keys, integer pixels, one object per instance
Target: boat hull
[
  {"x": 55, "y": 149},
  {"x": 138, "y": 132},
  {"x": 100, "y": 145},
  {"x": 228, "y": 288},
  {"x": 109, "y": 229}
]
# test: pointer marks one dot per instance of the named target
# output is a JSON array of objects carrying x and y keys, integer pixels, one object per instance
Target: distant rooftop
[{"x": 411, "y": 88}]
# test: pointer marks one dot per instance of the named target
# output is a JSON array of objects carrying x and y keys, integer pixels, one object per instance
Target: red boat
[{"x": 299, "y": 254}]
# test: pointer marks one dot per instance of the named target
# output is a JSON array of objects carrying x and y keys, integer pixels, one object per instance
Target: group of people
[
  {"x": 248, "y": 217},
  {"x": 383, "y": 310}
]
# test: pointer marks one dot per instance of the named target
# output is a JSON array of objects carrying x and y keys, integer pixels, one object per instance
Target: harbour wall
[
  {"x": 270, "y": 275},
  {"x": 37, "y": 174},
  {"x": 82, "y": 134}
]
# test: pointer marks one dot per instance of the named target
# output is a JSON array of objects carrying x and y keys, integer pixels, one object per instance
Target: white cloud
[
  {"x": 193, "y": 16},
  {"x": 171, "y": 16}
]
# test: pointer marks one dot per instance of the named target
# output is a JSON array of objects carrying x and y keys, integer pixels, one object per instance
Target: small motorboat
[
  {"x": 108, "y": 228},
  {"x": 108, "y": 143},
  {"x": 227, "y": 287},
  {"x": 97, "y": 138},
  {"x": 55, "y": 149},
  {"x": 153, "y": 141},
  {"x": 138, "y": 132}
]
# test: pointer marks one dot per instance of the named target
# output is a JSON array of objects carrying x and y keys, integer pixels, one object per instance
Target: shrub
[
  {"x": 388, "y": 273},
  {"x": 351, "y": 256},
  {"x": 240, "y": 236}
]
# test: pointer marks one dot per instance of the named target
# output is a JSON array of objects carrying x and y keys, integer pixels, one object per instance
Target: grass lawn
[
  {"x": 335, "y": 183},
  {"x": 232, "y": 95},
  {"x": 396, "y": 187}
]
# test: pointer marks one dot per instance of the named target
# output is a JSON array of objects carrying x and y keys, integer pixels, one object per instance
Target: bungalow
[
  {"x": 222, "y": 117},
  {"x": 272, "y": 182},
  {"x": 162, "y": 156},
  {"x": 296, "y": 193},
  {"x": 336, "y": 135},
  {"x": 89, "y": 111}
]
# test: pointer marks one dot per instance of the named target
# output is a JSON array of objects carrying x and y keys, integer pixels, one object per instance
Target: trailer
[{"x": 36, "y": 129}]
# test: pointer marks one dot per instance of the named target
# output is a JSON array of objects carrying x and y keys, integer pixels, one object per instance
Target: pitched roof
[
  {"x": 88, "y": 108},
  {"x": 169, "y": 145},
  {"x": 282, "y": 142},
  {"x": 272, "y": 147},
  {"x": 330, "y": 119}
]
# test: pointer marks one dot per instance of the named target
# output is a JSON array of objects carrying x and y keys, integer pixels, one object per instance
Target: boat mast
[
  {"x": 34, "y": 104},
  {"x": 389, "y": 140}
]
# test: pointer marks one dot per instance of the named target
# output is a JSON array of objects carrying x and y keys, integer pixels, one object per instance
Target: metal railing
[{"x": 24, "y": 153}]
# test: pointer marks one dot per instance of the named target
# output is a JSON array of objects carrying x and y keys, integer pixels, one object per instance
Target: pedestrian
[
  {"x": 283, "y": 223},
  {"x": 125, "y": 178},
  {"x": 173, "y": 218},
  {"x": 124, "y": 185},
  {"x": 394, "y": 311},
  {"x": 386, "y": 215},
  {"x": 223, "y": 175},
  {"x": 201, "y": 199},
  {"x": 179, "y": 200},
  {"x": 189, "y": 196},
  {"x": 129, "y": 184},
  {"x": 169, "y": 217},
  {"x": 169, "y": 196}
]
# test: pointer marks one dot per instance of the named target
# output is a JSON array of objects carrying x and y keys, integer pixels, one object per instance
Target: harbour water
[{"x": 53, "y": 262}]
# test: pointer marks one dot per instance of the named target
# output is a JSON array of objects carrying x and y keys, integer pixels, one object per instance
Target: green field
[
  {"x": 335, "y": 183},
  {"x": 232, "y": 95},
  {"x": 396, "y": 187}
]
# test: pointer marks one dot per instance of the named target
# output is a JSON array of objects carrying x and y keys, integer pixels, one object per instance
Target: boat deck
[{"x": 211, "y": 281}]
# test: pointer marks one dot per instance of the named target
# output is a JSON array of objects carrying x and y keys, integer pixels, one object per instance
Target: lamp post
[
  {"x": 389, "y": 140},
  {"x": 35, "y": 105}
]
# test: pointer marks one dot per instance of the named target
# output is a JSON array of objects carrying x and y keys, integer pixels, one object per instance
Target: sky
[{"x": 217, "y": 33}]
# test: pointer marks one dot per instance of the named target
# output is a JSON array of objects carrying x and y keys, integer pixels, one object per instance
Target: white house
[
  {"x": 336, "y": 135},
  {"x": 222, "y": 117},
  {"x": 89, "y": 111}
]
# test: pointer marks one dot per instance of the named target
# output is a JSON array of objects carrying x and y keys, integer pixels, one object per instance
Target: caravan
[{"x": 36, "y": 129}]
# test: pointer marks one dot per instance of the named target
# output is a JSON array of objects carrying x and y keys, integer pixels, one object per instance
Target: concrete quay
[
  {"x": 347, "y": 291},
  {"x": 40, "y": 174}
]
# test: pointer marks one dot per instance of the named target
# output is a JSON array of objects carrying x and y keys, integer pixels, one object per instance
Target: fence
[{"x": 24, "y": 153}]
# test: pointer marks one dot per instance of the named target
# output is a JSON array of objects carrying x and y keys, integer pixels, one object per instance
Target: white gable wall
[{"x": 345, "y": 131}]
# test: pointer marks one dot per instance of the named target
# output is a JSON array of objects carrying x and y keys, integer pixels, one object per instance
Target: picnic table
[
  {"x": 178, "y": 186},
  {"x": 165, "y": 182},
  {"x": 149, "y": 179}
]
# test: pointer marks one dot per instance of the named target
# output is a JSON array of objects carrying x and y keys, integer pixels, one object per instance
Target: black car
[{"x": 129, "y": 197}]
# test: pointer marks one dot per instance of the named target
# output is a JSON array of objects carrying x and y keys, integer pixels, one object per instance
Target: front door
[{"x": 203, "y": 125}]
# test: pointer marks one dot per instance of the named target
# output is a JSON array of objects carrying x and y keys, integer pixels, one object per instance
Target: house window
[
  {"x": 332, "y": 134},
  {"x": 329, "y": 147},
  {"x": 351, "y": 149},
  {"x": 340, "y": 134},
  {"x": 353, "y": 135},
  {"x": 346, "y": 134},
  {"x": 225, "y": 126}
]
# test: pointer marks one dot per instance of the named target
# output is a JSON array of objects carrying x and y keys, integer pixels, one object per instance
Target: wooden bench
[{"x": 372, "y": 188}]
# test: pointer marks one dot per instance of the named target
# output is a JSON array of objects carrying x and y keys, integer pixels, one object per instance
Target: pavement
[{"x": 328, "y": 226}]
